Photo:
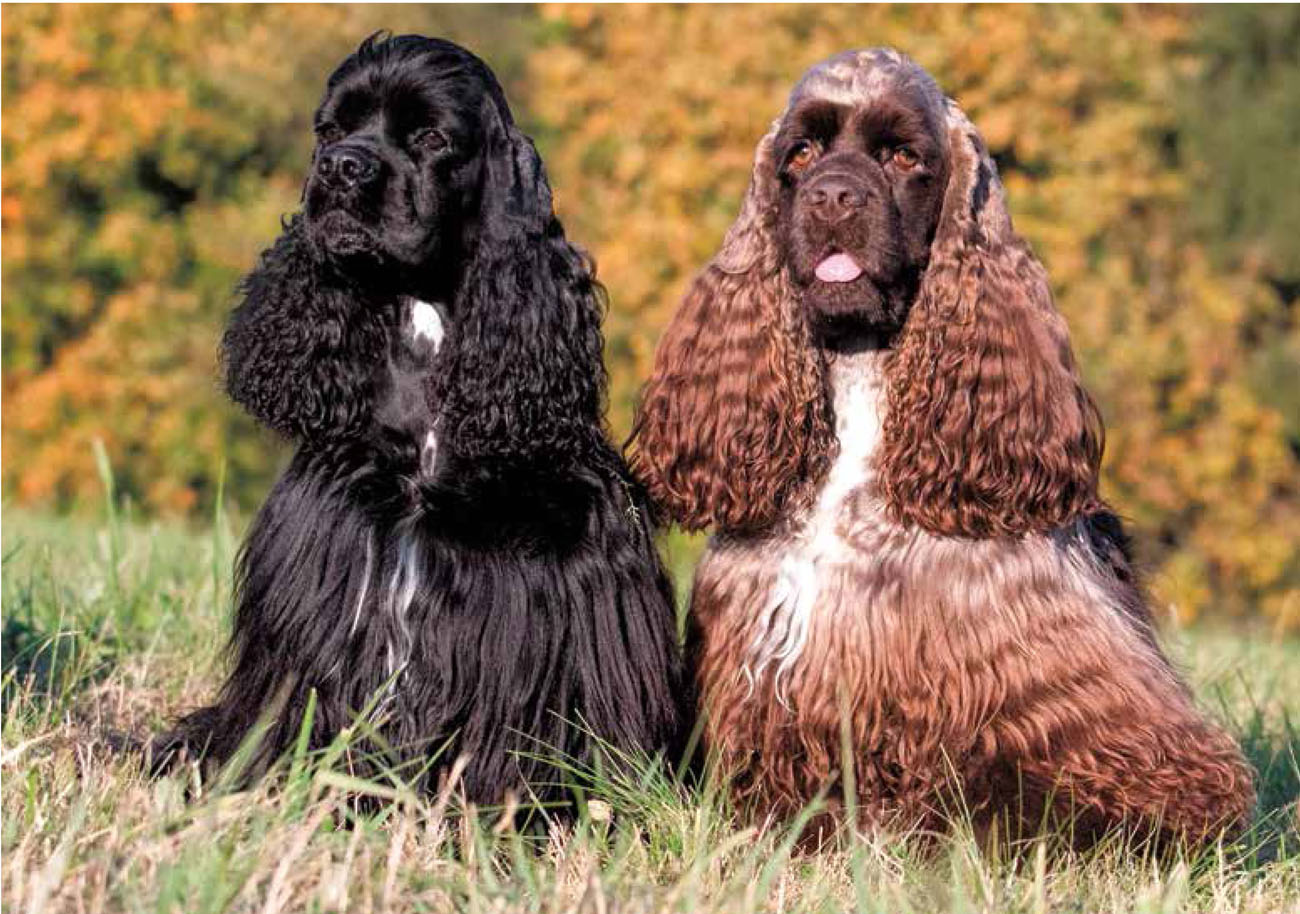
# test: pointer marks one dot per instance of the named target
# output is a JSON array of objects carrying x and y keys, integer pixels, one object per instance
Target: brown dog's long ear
[
  {"x": 735, "y": 418},
  {"x": 989, "y": 430}
]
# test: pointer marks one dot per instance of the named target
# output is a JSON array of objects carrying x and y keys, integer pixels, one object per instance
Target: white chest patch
[
  {"x": 427, "y": 330},
  {"x": 787, "y": 614},
  {"x": 426, "y": 324},
  {"x": 400, "y": 595},
  {"x": 429, "y": 453}
]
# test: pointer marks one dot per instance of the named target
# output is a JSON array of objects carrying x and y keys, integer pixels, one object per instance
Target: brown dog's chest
[
  {"x": 796, "y": 580},
  {"x": 920, "y": 644}
]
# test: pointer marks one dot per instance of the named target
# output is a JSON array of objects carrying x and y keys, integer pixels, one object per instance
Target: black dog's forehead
[
  {"x": 411, "y": 81},
  {"x": 402, "y": 100}
]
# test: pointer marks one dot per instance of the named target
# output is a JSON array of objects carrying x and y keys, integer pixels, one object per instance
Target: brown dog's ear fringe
[
  {"x": 734, "y": 421},
  {"x": 989, "y": 430}
]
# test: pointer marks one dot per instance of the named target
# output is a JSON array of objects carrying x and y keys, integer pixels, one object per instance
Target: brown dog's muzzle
[{"x": 833, "y": 197}]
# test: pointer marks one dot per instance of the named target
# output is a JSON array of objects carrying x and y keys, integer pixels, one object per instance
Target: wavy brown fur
[
  {"x": 1017, "y": 679},
  {"x": 733, "y": 420},
  {"x": 989, "y": 429},
  {"x": 935, "y": 569}
]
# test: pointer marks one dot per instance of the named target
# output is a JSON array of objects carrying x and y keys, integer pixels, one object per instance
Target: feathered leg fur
[{"x": 500, "y": 648}]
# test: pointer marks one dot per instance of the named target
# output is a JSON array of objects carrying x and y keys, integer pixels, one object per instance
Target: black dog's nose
[
  {"x": 833, "y": 197},
  {"x": 348, "y": 166}
]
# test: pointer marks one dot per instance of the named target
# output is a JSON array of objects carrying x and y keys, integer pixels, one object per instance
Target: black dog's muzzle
[{"x": 348, "y": 166}]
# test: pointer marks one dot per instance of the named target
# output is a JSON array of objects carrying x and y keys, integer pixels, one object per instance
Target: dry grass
[{"x": 109, "y": 628}]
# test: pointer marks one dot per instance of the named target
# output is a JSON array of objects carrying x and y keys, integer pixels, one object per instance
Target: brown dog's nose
[
  {"x": 833, "y": 197},
  {"x": 348, "y": 166}
]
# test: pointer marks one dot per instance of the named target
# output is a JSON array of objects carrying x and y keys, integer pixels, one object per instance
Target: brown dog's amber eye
[
  {"x": 906, "y": 158},
  {"x": 802, "y": 156}
]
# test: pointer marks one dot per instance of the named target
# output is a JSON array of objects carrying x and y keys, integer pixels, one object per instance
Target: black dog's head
[
  {"x": 862, "y": 170},
  {"x": 404, "y": 137},
  {"x": 423, "y": 187}
]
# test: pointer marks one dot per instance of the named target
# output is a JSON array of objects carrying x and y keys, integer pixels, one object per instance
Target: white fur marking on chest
[
  {"x": 427, "y": 327},
  {"x": 429, "y": 453},
  {"x": 394, "y": 602},
  {"x": 785, "y": 619},
  {"x": 401, "y": 594},
  {"x": 426, "y": 324},
  {"x": 365, "y": 584}
]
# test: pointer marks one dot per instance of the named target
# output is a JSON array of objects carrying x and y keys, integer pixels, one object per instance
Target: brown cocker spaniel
[{"x": 870, "y": 397}]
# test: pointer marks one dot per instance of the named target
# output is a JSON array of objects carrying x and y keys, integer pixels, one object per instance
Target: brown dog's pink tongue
[{"x": 838, "y": 268}]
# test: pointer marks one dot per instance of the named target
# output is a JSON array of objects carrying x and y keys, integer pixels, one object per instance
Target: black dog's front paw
[{"x": 191, "y": 740}]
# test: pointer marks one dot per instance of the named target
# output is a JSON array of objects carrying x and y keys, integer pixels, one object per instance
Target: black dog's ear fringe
[
  {"x": 526, "y": 383},
  {"x": 299, "y": 353}
]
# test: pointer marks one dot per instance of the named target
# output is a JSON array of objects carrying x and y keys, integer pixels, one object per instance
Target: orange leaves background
[{"x": 149, "y": 152}]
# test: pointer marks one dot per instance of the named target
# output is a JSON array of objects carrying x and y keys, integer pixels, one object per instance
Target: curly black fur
[{"x": 484, "y": 594}]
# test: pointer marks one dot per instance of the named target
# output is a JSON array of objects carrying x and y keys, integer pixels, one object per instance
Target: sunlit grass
[{"x": 112, "y": 626}]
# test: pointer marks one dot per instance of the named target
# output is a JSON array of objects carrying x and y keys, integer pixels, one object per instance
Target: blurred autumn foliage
[{"x": 149, "y": 152}]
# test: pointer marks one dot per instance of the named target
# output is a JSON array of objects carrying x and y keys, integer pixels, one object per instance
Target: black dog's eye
[
  {"x": 328, "y": 133},
  {"x": 430, "y": 138}
]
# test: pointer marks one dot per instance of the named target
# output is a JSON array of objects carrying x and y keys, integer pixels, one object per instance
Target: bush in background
[{"x": 150, "y": 151}]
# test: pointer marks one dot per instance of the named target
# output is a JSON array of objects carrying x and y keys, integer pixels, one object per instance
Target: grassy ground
[{"x": 111, "y": 627}]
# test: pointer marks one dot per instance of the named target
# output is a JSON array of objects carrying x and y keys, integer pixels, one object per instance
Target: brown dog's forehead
[{"x": 859, "y": 78}]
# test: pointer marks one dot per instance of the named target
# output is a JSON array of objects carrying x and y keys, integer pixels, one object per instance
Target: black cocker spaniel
[{"x": 455, "y": 546}]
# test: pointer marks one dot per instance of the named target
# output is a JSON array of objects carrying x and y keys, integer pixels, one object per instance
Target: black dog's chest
[{"x": 406, "y": 420}]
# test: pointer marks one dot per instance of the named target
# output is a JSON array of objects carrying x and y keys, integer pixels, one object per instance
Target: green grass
[{"x": 112, "y": 626}]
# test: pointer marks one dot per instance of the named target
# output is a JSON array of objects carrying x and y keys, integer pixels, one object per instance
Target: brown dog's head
[
  {"x": 874, "y": 212},
  {"x": 861, "y": 159}
]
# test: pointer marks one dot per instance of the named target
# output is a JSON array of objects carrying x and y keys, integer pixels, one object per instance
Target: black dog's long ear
[
  {"x": 526, "y": 382},
  {"x": 299, "y": 351}
]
